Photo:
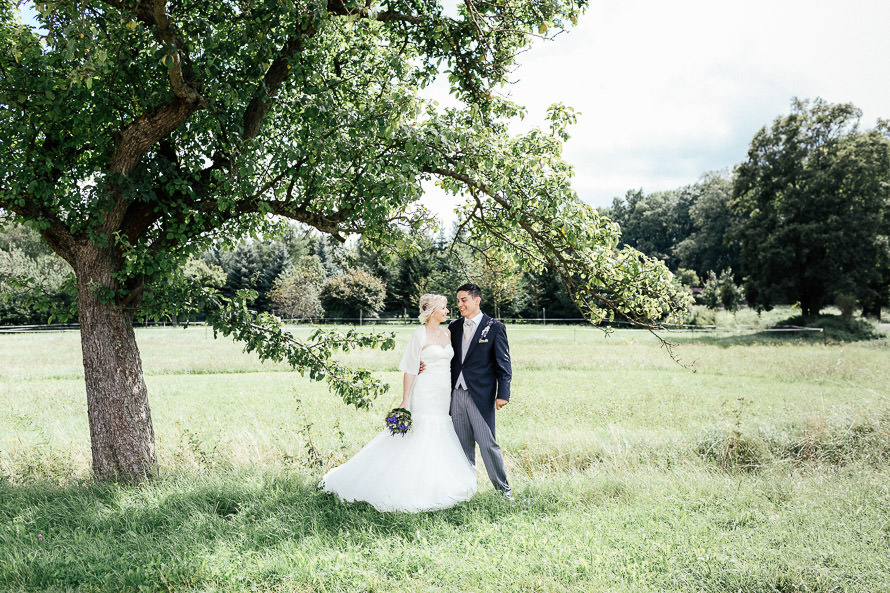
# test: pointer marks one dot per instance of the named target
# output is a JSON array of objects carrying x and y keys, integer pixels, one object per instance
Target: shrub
[
  {"x": 722, "y": 291},
  {"x": 699, "y": 315},
  {"x": 297, "y": 294},
  {"x": 353, "y": 294}
]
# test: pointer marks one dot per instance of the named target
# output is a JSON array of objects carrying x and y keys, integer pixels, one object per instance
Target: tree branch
[
  {"x": 134, "y": 140},
  {"x": 551, "y": 253},
  {"x": 339, "y": 8},
  {"x": 275, "y": 76},
  {"x": 153, "y": 13},
  {"x": 56, "y": 234}
]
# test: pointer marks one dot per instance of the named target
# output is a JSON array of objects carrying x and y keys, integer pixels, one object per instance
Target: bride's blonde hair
[{"x": 428, "y": 304}]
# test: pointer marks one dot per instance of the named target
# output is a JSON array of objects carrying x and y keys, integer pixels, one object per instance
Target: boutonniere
[{"x": 482, "y": 337}]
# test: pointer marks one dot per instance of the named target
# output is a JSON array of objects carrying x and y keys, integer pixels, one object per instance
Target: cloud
[{"x": 670, "y": 90}]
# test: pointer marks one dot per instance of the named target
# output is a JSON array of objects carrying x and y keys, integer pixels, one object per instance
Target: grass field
[{"x": 767, "y": 469}]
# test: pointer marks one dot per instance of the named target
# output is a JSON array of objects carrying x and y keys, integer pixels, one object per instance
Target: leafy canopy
[{"x": 813, "y": 198}]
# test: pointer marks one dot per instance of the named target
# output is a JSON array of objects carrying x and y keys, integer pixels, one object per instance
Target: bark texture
[{"x": 121, "y": 432}]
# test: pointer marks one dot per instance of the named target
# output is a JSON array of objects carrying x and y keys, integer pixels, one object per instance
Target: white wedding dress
[{"x": 425, "y": 469}]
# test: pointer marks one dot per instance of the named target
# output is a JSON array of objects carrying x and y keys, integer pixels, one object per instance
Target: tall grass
[{"x": 764, "y": 470}]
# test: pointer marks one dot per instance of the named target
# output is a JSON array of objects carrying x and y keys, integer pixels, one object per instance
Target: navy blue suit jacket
[{"x": 486, "y": 368}]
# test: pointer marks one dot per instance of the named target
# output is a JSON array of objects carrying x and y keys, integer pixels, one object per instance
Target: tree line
[
  {"x": 300, "y": 275},
  {"x": 804, "y": 219}
]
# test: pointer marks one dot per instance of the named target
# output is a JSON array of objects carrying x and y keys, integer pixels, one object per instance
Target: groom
[{"x": 480, "y": 382}]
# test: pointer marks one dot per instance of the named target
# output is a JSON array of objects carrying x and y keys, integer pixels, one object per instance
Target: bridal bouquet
[{"x": 398, "y": 421}]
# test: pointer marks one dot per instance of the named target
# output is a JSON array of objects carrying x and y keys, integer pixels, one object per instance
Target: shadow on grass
[
  {"x": 834, "y": 330},
  {"x": 761, "y": 338},
  {"x": 182, "y": 531}
]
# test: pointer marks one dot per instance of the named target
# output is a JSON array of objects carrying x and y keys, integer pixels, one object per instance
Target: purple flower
[{"x": 398, "y": 421}]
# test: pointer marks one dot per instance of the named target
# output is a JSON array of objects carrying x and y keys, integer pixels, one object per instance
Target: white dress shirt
[{"x": 476, "y": 319}]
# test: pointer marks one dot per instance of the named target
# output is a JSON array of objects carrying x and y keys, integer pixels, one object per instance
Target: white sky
[{"x": 670, "y": 90}]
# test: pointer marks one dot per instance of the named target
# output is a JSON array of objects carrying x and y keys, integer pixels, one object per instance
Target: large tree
[
  {"x": 138, "y": 131},
  {"x": 813, "y": 199}
]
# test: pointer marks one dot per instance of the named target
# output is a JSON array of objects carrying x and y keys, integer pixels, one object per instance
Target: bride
[{"x": 425, "y": 469}]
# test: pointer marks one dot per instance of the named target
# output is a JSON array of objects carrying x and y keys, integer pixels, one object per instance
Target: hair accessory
[{"x": 424, "y": 308}]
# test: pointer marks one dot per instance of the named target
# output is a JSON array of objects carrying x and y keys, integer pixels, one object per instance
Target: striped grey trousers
[{"x": 471, "y": 428}]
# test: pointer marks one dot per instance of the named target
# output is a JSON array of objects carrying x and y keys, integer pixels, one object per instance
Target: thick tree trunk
[
  {"x": 873, "y": 311},
  {"x": 871, "y": 308},
  {"x": 810, "y": 304},
  {"x": 121, "y": 432}
]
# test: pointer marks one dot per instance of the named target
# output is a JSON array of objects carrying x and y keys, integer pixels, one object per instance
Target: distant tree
[
  {"x": 36, "y": 285},
  {"x": 274, "y": 262},
  {"x": 501, "y": 280},
  {"x": 252, "y": 265},
  {"x": 813, "y": 199},
  {"x": 709, "y": 245},
  {"x": 548, "y": 297},
  {"x": 34, "y": 289},
  {"x": 654, "y": 223},
  {"x": 175, "y": 298},
  {"x": 242, "y": 269},
  {"x": 298, "y": 241},
  {"x": 385, "y": 263},
  {"x": 353, "y": 294},
  {"x": 14, "y": 236},
  {"x": 427, "y": 267},
  {"x": 296, "y": 294},
  {"x": 327, "y": 250},
  {"x": 685, "y": 228},
  {"x": 876, "y": 294},
  {"x": 879, "y": 292},
  {"x": 687, "y": 277}
]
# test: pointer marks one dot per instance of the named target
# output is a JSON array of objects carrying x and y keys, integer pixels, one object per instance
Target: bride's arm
[
  {"x": 407, "y": 382},
  {"x": 410, "y": 363}
]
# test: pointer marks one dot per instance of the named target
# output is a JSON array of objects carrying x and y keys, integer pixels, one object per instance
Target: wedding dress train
[{"x": 424, "y": 470}]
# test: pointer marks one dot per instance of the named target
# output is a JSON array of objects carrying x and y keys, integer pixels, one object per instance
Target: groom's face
[{"x": 468, "y": 305}]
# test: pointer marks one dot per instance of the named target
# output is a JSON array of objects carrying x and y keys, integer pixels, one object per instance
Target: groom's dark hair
[{"x": 471, "y": 288}]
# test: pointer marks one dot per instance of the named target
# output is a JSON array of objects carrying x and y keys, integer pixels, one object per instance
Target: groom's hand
[
  {"x": 422, "y": 366},
  {"x": 500, "y": 403}
]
